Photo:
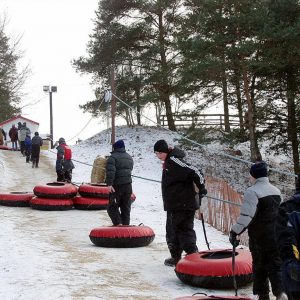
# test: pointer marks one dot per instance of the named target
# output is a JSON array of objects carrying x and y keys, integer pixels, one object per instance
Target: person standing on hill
[
  {"x": 64, "y": 164},
  {"x": 288, "y": 239},
  {"x": 13, "y": 134},
  {"x": 2, "y": 136},
  {"x": 118, "y": 178},
  {"x": 28, "y": 145},
  {"x": 24, "y": 131},
  {"x": 258, "y": 215},
  {"x": 37, "y": 142},
  {"x": 179, "y": 199}
]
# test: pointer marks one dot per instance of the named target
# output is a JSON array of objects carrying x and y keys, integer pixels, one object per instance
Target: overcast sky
[{"x": 53, "y": 33}]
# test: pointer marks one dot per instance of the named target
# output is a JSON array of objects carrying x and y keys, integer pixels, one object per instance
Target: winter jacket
[
  {"x": 288, "y": 228},
  {"x": 28, "y": 143},
  {"x": 259, "y": 212},
  {"x": 119, "y": 167},
  {"x": 13, "y": 134},
  {"x": 23, "y": 132},
  {"x": 178, "y": 179},
  {"x": 63, "y": 161},
  {"x": 37, "y": 140},
  {"x": 3, "y": 133}
]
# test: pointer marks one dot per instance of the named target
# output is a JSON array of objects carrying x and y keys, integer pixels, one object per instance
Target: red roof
[{"x": 18, "y": 117}]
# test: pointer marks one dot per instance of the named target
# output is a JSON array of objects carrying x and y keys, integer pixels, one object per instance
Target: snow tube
[
  {"x": 90, "y": 203},
  {"x": 51, "y": 204},
  {"x": 122, "y": 236},
  {"x": 55, "y": 190},
  {"x": 202, "y": 296},
  {"x": 94, "y": 190},
  {"x": 20, "y": 199},
  {"x": 3, "y": 147},
  {"x": 213, "y": 268},
  {"x": 132, "y": 197}
]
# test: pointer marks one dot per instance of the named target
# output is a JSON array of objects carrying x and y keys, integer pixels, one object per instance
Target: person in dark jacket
[
  {"x": 118, "y": 178},
  {"x": 64, "y": 164},
  {"x": 27, "y": 145},
  {"x": 288, "y": 239},
  {"x": 23, "y": 132},
  {"x": 13, "y": 134},
  {"x": 179, "y": 200},
  {"x": 37, "y": 142},
  {"x": 2, "y": 136},
  {"x": 258, "y": 215}
]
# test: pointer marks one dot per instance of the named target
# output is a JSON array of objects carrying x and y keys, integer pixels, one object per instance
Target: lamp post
[{"x": 50, "y": 89}]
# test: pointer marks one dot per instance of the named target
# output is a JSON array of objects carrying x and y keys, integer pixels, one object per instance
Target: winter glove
[{"x": 232, "y": 239}]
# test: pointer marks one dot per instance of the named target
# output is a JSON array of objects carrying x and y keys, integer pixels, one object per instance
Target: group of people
[{"x": 273, "y": 226}]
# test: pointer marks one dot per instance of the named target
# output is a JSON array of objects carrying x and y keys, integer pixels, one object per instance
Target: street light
[{"x": 50, "y": 89}]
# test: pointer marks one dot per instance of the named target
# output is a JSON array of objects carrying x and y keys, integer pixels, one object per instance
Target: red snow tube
[
  {"x": 3, "y": 147},
  {"x": 51, "y": 204},
  {"x": 90, "y": 203},
  {"x": 55, "y": 190},
  {"x": 213, "y": 268},
  {"x": 215, "y": 297},
  {"x": 94, "y": 190},
  {"x": 20, "y": 199},
  {"x": 122, "y": 236}
]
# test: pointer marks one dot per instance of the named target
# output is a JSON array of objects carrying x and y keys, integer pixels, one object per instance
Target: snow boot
[{"x": 172, "y": 261}]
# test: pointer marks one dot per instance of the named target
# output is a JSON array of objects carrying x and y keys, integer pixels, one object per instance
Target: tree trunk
[
  {"x": 254, "y": 151},
  {"x": 225, "y": 100},
  {"x": 164, "y": 89},
  {"x": 292, "y": 122},
  {"x": 239, "y": 99},
  {"x": 138, "y": 106}
]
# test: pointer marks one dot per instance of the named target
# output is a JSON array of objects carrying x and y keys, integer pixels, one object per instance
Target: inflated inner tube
[
  {"x": 56, "y": 190},
  {"x": 215, "y": 297},
  {"x": 51, "y": 204},
  {"x": 213, "y": 268},
  {"x": 4, "y": 147},
  {"x": 18, "y": 199},
  {"x": 88, "y": 203},
  {"x": 122, "y": 236},
  {"x": 94, "y": 190}
]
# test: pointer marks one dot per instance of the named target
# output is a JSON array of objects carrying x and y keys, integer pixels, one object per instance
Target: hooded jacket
[{"x": 177, "y": 183}]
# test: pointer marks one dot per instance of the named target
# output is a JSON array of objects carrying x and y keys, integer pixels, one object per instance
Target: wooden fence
[{"x": 187, "y": 120}]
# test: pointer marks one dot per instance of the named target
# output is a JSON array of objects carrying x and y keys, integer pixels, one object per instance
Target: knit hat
[
  {"x": 36, "y": 133},
  {"x": 119, "y": 144},
  {"x": 161, "y": 146},
  {"x": 259, "y": 169},
  {"x": 61, "y": 141}
]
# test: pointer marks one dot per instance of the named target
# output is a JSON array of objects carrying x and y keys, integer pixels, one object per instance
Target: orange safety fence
[{"x": 219, "y": 214}]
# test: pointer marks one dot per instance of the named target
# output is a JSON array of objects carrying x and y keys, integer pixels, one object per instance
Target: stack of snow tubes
[
  {"x": 53, "y": 196},
  {"x": 92, "y": 196},
  {"x": 16, "y": 199}
]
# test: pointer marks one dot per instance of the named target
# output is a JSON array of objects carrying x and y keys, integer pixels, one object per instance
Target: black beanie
[
  {"x": 259, "y": 169},
  {"x": 119, "y": 144},
  {"x": 161, "y": 146}
]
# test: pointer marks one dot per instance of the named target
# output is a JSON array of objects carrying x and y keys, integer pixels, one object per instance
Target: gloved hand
[
  {"x": 203, "y": 192},
  {"x": 232, "y": 239}
]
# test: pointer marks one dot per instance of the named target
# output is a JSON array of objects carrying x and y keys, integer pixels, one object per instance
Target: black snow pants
[
  {"x": 180, "y": 234},
  {"x": 266, "y": 266},
  {"x": 119, "y": 206},
  {"x": 35, "y": 155}
]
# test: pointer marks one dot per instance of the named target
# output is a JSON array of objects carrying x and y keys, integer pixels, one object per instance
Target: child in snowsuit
[
  {"x": 64, "y": 164},
  {"x": 28, "y": 144}
]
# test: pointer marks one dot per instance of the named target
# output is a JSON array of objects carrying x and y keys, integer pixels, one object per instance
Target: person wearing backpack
[
  {"x": 64, "y": 164},
  {"x": 288, "y": 239},
  {"x": 179, "y": 200}
]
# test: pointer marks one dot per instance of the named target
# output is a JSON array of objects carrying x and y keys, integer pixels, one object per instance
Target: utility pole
[
  {"x": 50, "y": 89},
  {"x": 113, "y": 105}
]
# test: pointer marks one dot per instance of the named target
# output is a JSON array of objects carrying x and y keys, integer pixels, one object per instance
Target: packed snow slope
[{"x": 48, "y": 254}]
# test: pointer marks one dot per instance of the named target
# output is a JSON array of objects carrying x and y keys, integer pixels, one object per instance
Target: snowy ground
[{"x": 48, "y": 254}]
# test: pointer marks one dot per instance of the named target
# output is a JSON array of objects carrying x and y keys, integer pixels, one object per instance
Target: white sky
[{"x": 54, "y": 33}]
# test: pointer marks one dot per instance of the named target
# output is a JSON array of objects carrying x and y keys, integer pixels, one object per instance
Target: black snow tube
[
  {"x": 16, "y": 199},
  {"x": 90, "y": 203},
  {"x": 55, "y": 190},
  {"x": 214, "y": 297},
  {"x": 94, "y": 190},
  {"x": 213, "y": 268},
  {"x": 122, "y": 236},
  {"x": 51, "y": 204}
]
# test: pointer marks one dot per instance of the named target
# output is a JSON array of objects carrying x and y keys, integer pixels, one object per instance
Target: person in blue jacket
[{"x": 28, "y": 145}]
